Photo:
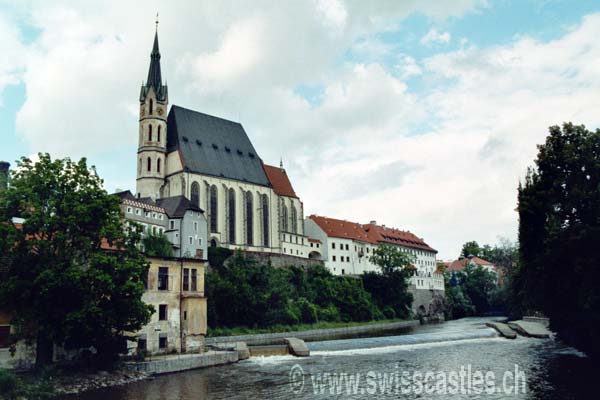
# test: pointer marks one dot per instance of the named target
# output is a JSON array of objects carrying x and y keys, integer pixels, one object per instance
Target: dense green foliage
[
  {"x": 244, "y": 293},
  {"x": 469, "y": 292},
  {"x": 390, "y": 287},
  {"x": 58, "y": 282},
  {"x": 504, "y": 253},
  {"x": 157, "y": 245},
  {"x": 559, "y": 231},
  {"x": 13, "y": 387}
]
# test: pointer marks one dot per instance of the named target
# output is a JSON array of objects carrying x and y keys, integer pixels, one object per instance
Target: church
[{"x": 211, "y": 161}]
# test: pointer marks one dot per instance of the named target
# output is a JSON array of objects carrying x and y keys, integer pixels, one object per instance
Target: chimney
[
  {"x": 4, "y": 167},
  {"x": 373, "y": 222}
]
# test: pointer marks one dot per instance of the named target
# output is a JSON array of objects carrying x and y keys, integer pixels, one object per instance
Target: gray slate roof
[
  {"x": 177, "y": 206},
  {"x": 213, "y": 146}
]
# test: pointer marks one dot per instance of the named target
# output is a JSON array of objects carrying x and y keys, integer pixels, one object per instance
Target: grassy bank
[{"x": 212, "y": 332}]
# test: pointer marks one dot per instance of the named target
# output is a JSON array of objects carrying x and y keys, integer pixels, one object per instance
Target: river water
[{"x": 458, "y": 360}]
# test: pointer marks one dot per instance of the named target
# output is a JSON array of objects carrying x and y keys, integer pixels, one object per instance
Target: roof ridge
[{"x": 175, "y": 106}]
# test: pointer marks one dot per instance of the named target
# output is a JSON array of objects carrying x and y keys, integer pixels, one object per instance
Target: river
[{"x": 458, "y": 360}]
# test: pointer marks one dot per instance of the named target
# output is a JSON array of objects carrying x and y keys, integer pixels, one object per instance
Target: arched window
[
  {"x": 158, "y": 165},
  {"x": 294, "y": 220},
  {"x": 231, "y": 212},
  {"x": 140, "y": 166},
  {"x": 195, "y": 196},
  {"x": 214, "y": 209},
  {"x": 265, "y": 219},
  {"x": 150, "y": 132},
  {"x": 149, "y": 166},
  {"x": 249, "y": 219},
  {"x": 284, "y": 218},
  {"x": 158, "y": 134},
  {"x": 151, "y": 106}
]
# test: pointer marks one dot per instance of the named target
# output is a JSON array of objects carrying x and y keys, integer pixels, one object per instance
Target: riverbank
[{"x": 348, "y": 331}]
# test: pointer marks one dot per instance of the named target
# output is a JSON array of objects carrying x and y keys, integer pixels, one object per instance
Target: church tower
[{"x": 152, "y": 136}]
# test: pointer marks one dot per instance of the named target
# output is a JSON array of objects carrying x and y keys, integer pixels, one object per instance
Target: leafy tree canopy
[
  {"x": 59, "y": 282},
  {"x": 157, "y": 245},
  {"x": 390, "y": 258}
]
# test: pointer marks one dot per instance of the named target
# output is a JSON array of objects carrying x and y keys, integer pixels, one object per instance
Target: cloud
[
  {"x": 433, "y": 36},
  {"x": 14, "y": 54}
]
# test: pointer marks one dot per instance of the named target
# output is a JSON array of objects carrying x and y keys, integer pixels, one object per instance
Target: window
[
  {"x": 158, "y": 165},
  {"x": 149, "y": 164},
  {"x": 162, "y": 341},
  {"x": 162, "y": 312},
  {"x": 140, "y": 166},
  {"x": 213, "y": 209},
  {"x": 149, "y": 132},
  {"x": 185, "y": 315},
  {"x": 4, "y": 334},
  {"x": 231, "y": 214},
  {"x": 163, "y": 278},
  {"x": 194, "y": 279},
  {"x": 265, "y": 220},
  {"x": 191, "y": 240},
  {"x": 343, "y": 271},
  {"x": 347, "y": 248},
  {"x": 186, "y": 279},
  {"x": 333, "y": 245},
  {"x": 333, "y": 258},
  {"x": 195, "y": 226},
  {"x": 249, "y": 219},
  {"x": 294, "y": 220},
  {"x": 142, "y": 344},
  {"x": 151, "y": 106},
  {"x": 158, "y": 134},
  {"x": 171, "y": 225},
  {"x": 195, "y": 196},
  {"x": 284, "y": 218}
]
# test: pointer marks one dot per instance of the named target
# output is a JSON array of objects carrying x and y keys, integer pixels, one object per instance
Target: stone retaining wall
[
  {"x": 312, "y": 335},
  {"x": 183, "y": 362}
]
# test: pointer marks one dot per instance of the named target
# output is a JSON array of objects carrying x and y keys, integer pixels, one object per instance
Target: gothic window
[
  {"x": 231, "y": 212},
  {"x": 249, "y": 219},
  {"x": 158, "y": 165},
  {"x": 195, "y": 197},
  {"x": 140, "y": 167},
  {"x": 284, "y": 218},
  {"x": 149, "y": 166},
  {"x": 158, "y": 134},
  {"x": 213, "y": 209},
  {"x": 149, "y": 133},
  {"x": 294, "y": 220},
  {"x": 151, "y": 106},
  {"x": 265, "y": 219}
]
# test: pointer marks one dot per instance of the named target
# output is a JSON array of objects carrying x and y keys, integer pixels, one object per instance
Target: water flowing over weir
[{"x": 552, "y": 370}]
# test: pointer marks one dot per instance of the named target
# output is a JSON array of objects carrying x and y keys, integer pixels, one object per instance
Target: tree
[
  {"x": 71, "y": 273},
  {"x": 157, "y": 245},
  {"x": 559, "y": 232},
  {"x": 390, "y": 287},
  {"x": 390, "y": 258},
  {"x": 470, "y": 249}
]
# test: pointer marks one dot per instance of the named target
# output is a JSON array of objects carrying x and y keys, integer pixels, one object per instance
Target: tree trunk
[{"x": 44, "y": 351}]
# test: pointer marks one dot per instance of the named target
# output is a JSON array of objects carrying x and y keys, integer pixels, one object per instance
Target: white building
[
  {"x": 348, "y": 246},
  {"x": 212, "y": 162}
]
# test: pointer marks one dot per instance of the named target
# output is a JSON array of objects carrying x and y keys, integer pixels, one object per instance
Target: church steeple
[{"x": 154, "y": 75}]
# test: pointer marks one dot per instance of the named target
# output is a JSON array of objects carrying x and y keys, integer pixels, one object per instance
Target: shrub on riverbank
[
  {"x": 36, "y": 388},
  {"x": 244, "y": 293},
  {"x": 469, "y": 292}
]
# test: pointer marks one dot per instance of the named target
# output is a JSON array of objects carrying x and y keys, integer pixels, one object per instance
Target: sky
[{"x": 421, "y": 115}]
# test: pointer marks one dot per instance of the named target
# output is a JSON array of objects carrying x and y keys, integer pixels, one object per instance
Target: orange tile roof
[
  {"x": 481, "y": 261},
  {"x": 458, "y": 265},
  {"x": 279, "y": 180},
  {"x": 378, "y": 234},
  {"x": 341, "y": 229}
]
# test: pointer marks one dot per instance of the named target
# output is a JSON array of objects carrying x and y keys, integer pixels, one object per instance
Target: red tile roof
[
  {"x": 481, "y": 261},
  {"x": 279, "y": 180},
  {"x": 314, "y": 240},
  {"x": 341, "y": 229},
  {"x": 382, "y": 234},
  {"x": 461, "y": 264}
]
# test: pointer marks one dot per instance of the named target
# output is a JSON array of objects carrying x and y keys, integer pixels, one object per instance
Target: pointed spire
[{"x": 154, "y": 72}]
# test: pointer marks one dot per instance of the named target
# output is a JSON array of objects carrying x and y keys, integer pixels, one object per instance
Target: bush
[
  {"x": 308, "y": 311},
  {"x": 329, "y": 313},
  {"x": 10, "y": 386},
  {"x": 389, "y": 312}
]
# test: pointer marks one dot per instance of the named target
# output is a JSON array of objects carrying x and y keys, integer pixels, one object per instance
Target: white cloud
[
  {"x": 13, "y": 53},
  {"x": 433, "y": 36}
]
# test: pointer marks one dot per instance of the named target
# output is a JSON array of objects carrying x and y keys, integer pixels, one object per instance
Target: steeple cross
[{"x": 156, "y": 22}]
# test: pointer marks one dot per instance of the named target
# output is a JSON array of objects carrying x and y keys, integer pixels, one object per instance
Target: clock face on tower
[{"x": 160, "y": 111}]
